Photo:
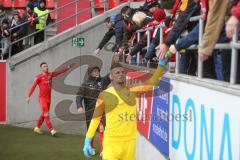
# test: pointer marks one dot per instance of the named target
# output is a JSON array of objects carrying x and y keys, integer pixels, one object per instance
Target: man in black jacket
[
  {"x": 107, "y": 36},
  {"x": 17, "y": 32},
  {"x": 115, "y": 24},
  {"x": 88, "y": 93}
]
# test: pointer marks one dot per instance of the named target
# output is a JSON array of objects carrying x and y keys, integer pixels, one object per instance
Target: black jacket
[
  {"x": 18, "y": 28},
  {"x": 106, "y": 38},
  {"x": 139, "y": 46},
  {"x": 90, "y": 90},
  {"x": 182, "y": 21},
  {"x": 119, "y": 29}
]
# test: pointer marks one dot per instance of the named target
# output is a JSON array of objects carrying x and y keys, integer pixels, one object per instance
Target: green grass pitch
[{"x": 22, "y": 144}]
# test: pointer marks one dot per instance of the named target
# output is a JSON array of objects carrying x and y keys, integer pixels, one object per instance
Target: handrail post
[
  {"x": 148, "y": 45},
  {"x": 76, "y": 12},
  {"x": 2, "y": 49},
  {"x": 92, "y": 8},
  {"x": 148, "y": 38},
  {"x": 138, "y": 54},
  {"x": 177, "y": 62},
  {"x": 234, "y": 58},
  {"x": 105, "y": 5},
  {"x": 45, "y": 28},
  {"x": 10, "y": 46},
  {"x": 161, "y": 35},
  {"x": 200, "y": 63}
]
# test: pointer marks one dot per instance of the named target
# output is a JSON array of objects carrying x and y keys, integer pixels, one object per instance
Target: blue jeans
[
  {"x": 150, "y": 51},
  {"x": 218, "y": 65},
  {"x": 134, "y": 59}
]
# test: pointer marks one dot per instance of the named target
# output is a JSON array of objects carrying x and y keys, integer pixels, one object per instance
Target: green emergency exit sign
[{"x": 78, "y": 42}]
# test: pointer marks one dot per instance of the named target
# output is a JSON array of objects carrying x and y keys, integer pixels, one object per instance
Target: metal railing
[
  {"x": 234, "y": 46},
  {"x": 91, "y": 8}
]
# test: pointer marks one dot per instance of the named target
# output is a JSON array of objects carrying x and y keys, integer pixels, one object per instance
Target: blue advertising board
[{"x": 159, "y": 127}]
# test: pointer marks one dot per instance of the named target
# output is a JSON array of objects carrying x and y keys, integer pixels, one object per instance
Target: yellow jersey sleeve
[
  {"x": 150, "y": 83},
  {"x": 97, "y": 115}
]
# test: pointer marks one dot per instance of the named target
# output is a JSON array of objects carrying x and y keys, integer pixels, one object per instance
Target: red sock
[
  {"x": 48, "y": 123},
  {"x": 92, "y": 143},
  {"x": 40, "y": 121},
  {"x": 101, "y": 137}
]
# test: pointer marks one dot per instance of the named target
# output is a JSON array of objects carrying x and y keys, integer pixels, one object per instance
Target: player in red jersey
[{"x": 44, "y": 81}]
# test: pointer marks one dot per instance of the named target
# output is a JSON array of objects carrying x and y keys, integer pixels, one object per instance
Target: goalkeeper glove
[
  {"x": 163, "y": 62},
  {"x": 88, "y": 150}
]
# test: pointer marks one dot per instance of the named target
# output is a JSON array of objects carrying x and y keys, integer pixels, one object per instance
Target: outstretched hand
[
  {"x": 28, "y": 100},
  {"x": 96, "y": 52},
  {"x": 129, "y": 57},
  {"x": 203, "y": 57},
  {"x": 163, "y": 50}
]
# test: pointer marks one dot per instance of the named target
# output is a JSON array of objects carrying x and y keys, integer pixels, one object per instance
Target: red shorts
[{"x": 45, "y": 104}]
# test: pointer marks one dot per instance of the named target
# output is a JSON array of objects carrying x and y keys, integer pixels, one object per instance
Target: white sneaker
[
  {"x": 53, "y": 132},
  {"x": 37, "y": 130}
]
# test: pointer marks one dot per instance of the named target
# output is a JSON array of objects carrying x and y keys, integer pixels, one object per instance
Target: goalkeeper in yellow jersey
[{"x": 119, "y": 102}]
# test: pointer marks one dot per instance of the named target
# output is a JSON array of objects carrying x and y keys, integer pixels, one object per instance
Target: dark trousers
[
  {"x": 17, "y": 47},
  {"x": 39, "y": 37},
  {"x": 89, "y": 116}
]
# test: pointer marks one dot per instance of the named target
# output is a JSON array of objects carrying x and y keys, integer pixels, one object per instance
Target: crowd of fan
[
  {"x": 17, "y": 25},
  {"x": 221, "y": 17}
]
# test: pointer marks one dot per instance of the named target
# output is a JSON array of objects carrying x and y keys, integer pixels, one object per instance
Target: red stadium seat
[
  {"x": 98, "y": 4},
  {"x": 113, "y": 3},
  {"x": 50, "y": 4},
  {"x": 7, "y": 3},
  {"x": 20, "y": 3}
]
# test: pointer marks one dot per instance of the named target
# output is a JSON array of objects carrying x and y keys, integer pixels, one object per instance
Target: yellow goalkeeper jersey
[{"x": 120, "y": 107}]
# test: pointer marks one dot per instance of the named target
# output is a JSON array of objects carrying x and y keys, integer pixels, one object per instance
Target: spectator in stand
[
  {"x": 187, "y": 9},
  {"x": 222, "y": 73},
  {"x": 30, "y": 16},
  {"x": 234, "y": 20},
  {"x": 43, "y": 19},
  {"x": 108, "y": 35},
  {"x": 158, "y": 16},
  {"x": 5, "y": 34},
  {"x": 213, "y": 28},
  {"x": 35, "y": 3},
  {"x": 151, "y": 51},
  {"x": 17, "y": 32},
  {"x": 214, "y": 32},
  {"x": 3, "y": 14},
  {"x": 135, "y": 19},
  {"x": 232, "y": 23},
  {"x": 116, "y": 27}
]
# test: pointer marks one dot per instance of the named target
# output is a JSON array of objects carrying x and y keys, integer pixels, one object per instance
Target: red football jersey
[{"x": 44, "y": 81}]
